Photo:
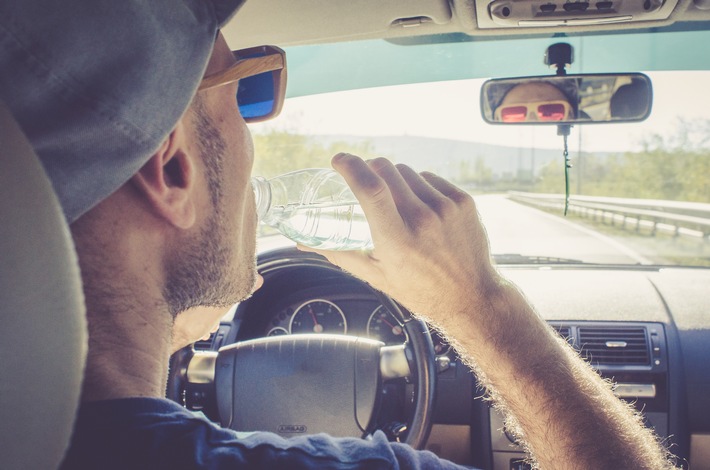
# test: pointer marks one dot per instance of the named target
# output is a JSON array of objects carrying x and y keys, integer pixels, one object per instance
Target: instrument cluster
[{"x": 343, "y": 314}]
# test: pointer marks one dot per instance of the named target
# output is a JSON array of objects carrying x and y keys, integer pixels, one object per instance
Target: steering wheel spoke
[
  {"x": 394, "y": 363},
  {"x": 304, "y": 384}
]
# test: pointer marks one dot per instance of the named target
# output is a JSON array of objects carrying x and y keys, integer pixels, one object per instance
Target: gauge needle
[
  {"x": 396, "y": 329},
  {"x": 316, "y": 327}
]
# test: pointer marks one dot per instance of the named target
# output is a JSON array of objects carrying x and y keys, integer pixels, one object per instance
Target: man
[
  {"x": 536, "y": 101},
  {"x": 154, "y": 179}
]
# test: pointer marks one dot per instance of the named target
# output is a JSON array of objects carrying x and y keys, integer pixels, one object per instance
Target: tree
[
  {"x": 669, "y": 168},
  {"x": 277, "y": 152},
  {"x": 473, "y": 173}
]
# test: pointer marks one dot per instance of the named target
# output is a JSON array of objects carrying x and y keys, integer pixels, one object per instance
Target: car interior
[{"x": 318, "y": 350}]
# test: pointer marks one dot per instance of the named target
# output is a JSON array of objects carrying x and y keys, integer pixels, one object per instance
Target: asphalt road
[{"x": 514, "y": 228}]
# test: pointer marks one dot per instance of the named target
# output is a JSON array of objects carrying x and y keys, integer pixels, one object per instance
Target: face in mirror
[{"x": 570, "y": 99}]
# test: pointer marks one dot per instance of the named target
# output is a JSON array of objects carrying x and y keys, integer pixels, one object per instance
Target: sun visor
[{"x": 327, "y": 21}]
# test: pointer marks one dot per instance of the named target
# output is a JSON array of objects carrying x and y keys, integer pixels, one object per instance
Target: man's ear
[{"x": 167, "y": 180}]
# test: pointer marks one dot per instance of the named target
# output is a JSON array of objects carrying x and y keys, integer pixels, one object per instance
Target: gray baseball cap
[{"x": 97, "y": 85}]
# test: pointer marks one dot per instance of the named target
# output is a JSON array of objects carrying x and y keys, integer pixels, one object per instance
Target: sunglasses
[
  {"x": 261, "y": 73},
  {"x": 544, "y": 110}
]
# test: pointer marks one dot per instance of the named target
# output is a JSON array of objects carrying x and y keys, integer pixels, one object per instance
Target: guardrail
[{"x": 690, "y": 219}]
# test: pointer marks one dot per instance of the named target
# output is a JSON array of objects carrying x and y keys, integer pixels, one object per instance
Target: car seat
[{"x": 43, "y": 338}]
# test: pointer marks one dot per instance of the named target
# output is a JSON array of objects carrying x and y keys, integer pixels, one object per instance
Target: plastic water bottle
[{"x": 313, "y": 207}]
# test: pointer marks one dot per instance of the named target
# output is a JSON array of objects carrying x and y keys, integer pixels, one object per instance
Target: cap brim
[{"x": 226, "y": 9}]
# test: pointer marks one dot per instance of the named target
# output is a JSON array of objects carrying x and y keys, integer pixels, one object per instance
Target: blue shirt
[{"x": 153, "y": 433}]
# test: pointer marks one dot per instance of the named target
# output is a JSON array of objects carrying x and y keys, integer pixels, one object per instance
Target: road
[
  {"x": 514, "y": 228},
  {"x": 517, "y": 229}
]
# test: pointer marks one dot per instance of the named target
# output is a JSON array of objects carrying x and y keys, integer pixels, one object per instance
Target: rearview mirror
[{"x": 567, "y": 99}]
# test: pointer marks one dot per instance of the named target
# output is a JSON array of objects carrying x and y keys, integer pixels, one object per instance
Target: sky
[{"x": 450, "y": 110}]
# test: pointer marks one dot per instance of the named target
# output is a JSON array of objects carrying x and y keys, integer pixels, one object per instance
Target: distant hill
[{"x": 444, "y": 156}]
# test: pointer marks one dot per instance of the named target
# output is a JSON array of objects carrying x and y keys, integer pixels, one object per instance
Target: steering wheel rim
[
  {"x": 421, "y": 347},
  {"x": 418, "y": 348},
  {"x": 419, "y": 425}
]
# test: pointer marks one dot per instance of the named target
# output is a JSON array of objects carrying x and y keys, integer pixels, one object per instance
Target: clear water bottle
[{"x": 313, "y": 207}]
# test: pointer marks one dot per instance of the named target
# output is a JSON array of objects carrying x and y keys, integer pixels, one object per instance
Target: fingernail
[
  {"x": 341, "y": 156},
  {"x": 379, "y": 163}
]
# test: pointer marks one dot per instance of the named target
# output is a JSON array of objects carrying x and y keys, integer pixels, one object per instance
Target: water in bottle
[{"x": 313, "y": 207}]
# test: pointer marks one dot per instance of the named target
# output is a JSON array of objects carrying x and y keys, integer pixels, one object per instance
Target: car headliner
[{"x": 285, "y": 22}]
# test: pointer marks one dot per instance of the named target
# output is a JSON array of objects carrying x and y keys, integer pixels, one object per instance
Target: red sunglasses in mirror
[{"x": 545, "y": 111}]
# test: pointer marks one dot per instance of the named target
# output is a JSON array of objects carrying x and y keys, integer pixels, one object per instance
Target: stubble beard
[{"x": 205, "y": 272}]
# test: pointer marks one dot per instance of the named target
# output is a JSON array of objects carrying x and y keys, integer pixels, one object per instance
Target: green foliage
[
  {"x": 675, "y": 168},
  {"x": 551, "y": 178},
  {"x": 473, "y": 173},
  {"x": 671, "y": 168},
  {"x": 277, "y": 152}
]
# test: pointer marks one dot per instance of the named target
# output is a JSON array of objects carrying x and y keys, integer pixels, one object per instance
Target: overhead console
[
  {"x": 498, "y": 14},
  {"x": 289, "y": 23}
]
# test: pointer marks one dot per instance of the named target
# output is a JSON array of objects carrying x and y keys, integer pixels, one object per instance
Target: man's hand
[
  {"x": 429, "y": 245},
  {"x": 431, "y": 254}
]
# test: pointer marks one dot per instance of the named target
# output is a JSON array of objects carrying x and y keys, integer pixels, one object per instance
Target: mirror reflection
[{"x": 570, "y": 99}]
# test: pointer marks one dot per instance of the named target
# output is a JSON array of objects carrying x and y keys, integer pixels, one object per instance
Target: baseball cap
[{"x": 97, "y": 85}]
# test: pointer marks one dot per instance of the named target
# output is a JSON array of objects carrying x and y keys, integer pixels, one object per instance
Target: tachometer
[
  {"x": 384, "y": 327},
  {"x": 318, "y": 316}
]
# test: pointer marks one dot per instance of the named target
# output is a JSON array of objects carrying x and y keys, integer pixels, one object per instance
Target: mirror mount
[{"x": 559, "y": 56}]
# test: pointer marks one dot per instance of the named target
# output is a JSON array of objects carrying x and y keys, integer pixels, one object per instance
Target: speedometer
[
  {"x": 318, "y": 316},
  {"x": 383, "y": 326}
]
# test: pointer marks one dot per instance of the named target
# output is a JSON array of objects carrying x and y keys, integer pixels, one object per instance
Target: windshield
[{"x": 640, "y": 192}]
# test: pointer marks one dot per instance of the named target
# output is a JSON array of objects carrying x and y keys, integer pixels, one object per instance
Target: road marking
[{"x": 619, "y": 246}]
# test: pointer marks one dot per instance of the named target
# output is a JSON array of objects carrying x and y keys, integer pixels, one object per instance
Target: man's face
[
  {"x": 535, "y": 92},
  {"x": 217, "y": 265}
]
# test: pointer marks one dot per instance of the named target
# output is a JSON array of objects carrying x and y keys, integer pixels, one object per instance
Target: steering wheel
[{"x": 305, "y": 384}]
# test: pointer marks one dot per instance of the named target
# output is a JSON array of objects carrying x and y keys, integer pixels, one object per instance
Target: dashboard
[
  {"x": 358, "y": 314},
  {"x": 645, "y": 328}
]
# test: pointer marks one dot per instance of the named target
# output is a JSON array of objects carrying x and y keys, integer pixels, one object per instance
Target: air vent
[
  {"x": 563, "y": 331},
  {"x": 205, "y": 345},
  {"x": 215, "y": 341},
  {"x": 615, "y": 346},
  {"x": 566, "y": 333}
]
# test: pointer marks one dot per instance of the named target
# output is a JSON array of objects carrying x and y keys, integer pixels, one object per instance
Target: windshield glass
[{"x": 640, "y": 192}]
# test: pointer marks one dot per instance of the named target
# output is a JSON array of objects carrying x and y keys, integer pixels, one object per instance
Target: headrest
[{"x": 43, "y": 338}]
